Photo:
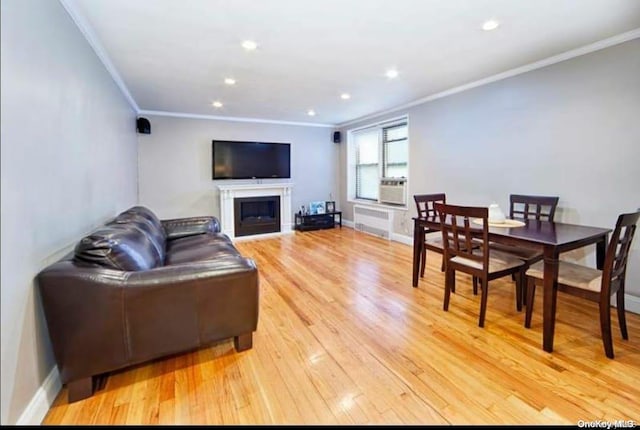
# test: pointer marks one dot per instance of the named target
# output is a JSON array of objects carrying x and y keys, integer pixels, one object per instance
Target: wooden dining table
[{"x": 553, "y": 237}]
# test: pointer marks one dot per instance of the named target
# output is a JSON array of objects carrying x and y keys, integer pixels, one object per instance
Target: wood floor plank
[{"x": 343, "y": 338}]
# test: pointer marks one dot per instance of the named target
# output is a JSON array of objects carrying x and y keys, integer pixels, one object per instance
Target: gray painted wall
[
  {"x": 175, "y": 163},
  {"x": 69, "y": 162},
  {"x": 571, "y": 129}
]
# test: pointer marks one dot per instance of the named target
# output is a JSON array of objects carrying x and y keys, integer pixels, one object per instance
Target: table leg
[
  {"x": 417, "y": 246},
  {"x": 550, "y": 297},
  {"x": 601, "y": 249}
]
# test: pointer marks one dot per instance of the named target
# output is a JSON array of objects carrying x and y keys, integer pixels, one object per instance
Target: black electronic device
[
  {"x": 336, "y": 137},
  {"x": 250, "y": 160},
  {"x": 143, "y": 125}
]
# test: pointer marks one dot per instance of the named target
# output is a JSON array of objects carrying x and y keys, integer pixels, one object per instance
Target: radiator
[{"x": 372, "y": 220}]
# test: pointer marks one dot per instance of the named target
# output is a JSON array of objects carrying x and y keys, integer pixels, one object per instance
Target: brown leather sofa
[{"x": 139, "y": 288}]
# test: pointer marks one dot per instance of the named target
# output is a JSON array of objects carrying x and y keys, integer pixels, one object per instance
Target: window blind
[{"x": 367, "y": 163}]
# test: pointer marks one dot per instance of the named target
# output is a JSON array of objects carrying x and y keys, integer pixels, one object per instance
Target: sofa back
[
  {"x": 133, "y": 241},
  {"x": 154, "y": 234},
  {"x": 119, "y": 246}
]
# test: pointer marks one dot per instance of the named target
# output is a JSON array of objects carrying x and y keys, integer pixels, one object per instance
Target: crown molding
[
  {"x": 587, "y": 49},
  {"x": 231, "y": 118},
  {"x": 90, "y": 36}
]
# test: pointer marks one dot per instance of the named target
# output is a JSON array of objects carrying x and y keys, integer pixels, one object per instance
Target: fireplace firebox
[{"x": 256, "y": 215}]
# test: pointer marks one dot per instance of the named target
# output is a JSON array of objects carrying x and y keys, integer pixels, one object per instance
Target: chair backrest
[
  {"x": 461, "y": 235},
  {"x": 615, "y": 262},
  {"x": 425, "y": 204},
  {"x": 541, "y": 208}
]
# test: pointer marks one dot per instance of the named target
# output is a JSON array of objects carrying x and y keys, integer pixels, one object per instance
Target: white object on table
[{"x": 495, "y": 213}]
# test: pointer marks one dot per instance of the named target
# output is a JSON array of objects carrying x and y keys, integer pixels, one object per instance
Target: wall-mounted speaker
[
  {"x": 336, "y": 137},
  {"x": 143, "y": 125}
]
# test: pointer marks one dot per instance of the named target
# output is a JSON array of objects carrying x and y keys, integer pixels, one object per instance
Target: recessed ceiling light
[
  {"x": 492, "y": 24},
  {"x": 229, "y": 81},
  {"x": 249, "y": 45},
  {"x": 216, "y": 104},
  {"x": 392, "y": 73},
  {"x": 311, "y": 112},
  {"x": 345, "y": 96}
]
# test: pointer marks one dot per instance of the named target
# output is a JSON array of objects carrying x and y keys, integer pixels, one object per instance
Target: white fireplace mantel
[{"x": 230, "y": 192}]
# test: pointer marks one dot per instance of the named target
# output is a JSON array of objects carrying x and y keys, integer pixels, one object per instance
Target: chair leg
[
  {"x": 423, "y": 262},
  {"x": 442, "y": 264},
  {"x": 605, "y": 328},
  {"x": 531, "y": 293},
  {"x": 483, "y": 302},
  {"x": 449, "y": 279},
  {"x": 475, "y": 285},
  {"x": 519, "y": 291},
  {"x": 523, "y": 283},
  {"x": 622, "y": 319}
]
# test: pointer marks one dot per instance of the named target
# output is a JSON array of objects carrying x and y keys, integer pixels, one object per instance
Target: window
[
  {"x": 395, "y": 151},
  {"x": 380, "y": 151}
]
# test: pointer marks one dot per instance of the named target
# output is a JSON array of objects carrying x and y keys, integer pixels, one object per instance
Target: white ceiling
[{"x": 173, "y": 55}]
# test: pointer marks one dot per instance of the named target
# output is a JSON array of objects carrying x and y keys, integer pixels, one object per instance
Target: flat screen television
[{"x": 250, "y": 160}]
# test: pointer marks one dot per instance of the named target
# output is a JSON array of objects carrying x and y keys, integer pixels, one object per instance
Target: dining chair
[
  {"x": 593, "y": 284},
  {"x": 469, "y": 225},
  {"x": 425, "y": 207},
  {"x": 540, "y": 208}
]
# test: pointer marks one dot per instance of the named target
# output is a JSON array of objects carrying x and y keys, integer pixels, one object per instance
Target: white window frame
[{"x": 351, "y": 160}]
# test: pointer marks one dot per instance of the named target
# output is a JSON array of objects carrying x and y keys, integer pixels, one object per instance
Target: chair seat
[
  {"x": 518, "y": 251},
  {"x": 498, "y": 261},
  {"x": 433, "y": 243},
  {"x": 571, "y": 274}
]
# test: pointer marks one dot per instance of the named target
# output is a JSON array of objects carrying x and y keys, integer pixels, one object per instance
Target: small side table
[{"x": 306, "y": 222}]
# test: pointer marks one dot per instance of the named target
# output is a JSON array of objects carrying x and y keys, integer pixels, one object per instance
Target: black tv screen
[{"x": 250, "y": 160}]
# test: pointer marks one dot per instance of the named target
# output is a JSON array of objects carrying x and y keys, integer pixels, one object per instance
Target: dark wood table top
[{"x": 541, "y": 232}]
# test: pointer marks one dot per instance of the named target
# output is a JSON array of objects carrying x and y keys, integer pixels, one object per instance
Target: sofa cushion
[
  {"x": 118, "y": 246},
  {"x": 197, "y": 240},
  {"x": 201, "y": 253},
  {"x": 153, "y": 233}
]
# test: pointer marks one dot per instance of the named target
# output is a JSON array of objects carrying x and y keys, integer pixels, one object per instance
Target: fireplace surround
[{"x": 232, "y": 198}]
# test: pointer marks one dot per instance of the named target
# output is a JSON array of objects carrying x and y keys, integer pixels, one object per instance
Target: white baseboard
[
  {"x": 631, "y": 303},
  {"x": 39, "y": 405},
  {"x": 407, "y": 240}
]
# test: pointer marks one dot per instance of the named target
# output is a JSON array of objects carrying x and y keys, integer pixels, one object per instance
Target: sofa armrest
[
  {"x": 183, "y": 306},
  {"x": 182, "y": 227},
  {"x": 84, "y": 308}
]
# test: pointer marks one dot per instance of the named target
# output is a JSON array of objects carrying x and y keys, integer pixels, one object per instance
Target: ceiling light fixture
[
  {"x": 311, "y": 112},
  {"x": 229, "y": 81},
  {"x": 345, "y": 96},
  {"x": 392, "y": 73},
  {"x": 216, "y": 104},
  {"x": 492, "y": 24},
  {"x": 249, "y": 45}
]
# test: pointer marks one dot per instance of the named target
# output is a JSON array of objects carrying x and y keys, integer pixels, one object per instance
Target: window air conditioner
[{"x": 393, "y": 190}]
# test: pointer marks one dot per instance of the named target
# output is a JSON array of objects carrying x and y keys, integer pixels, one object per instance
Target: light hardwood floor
[{"x": 343, "y": 338}]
